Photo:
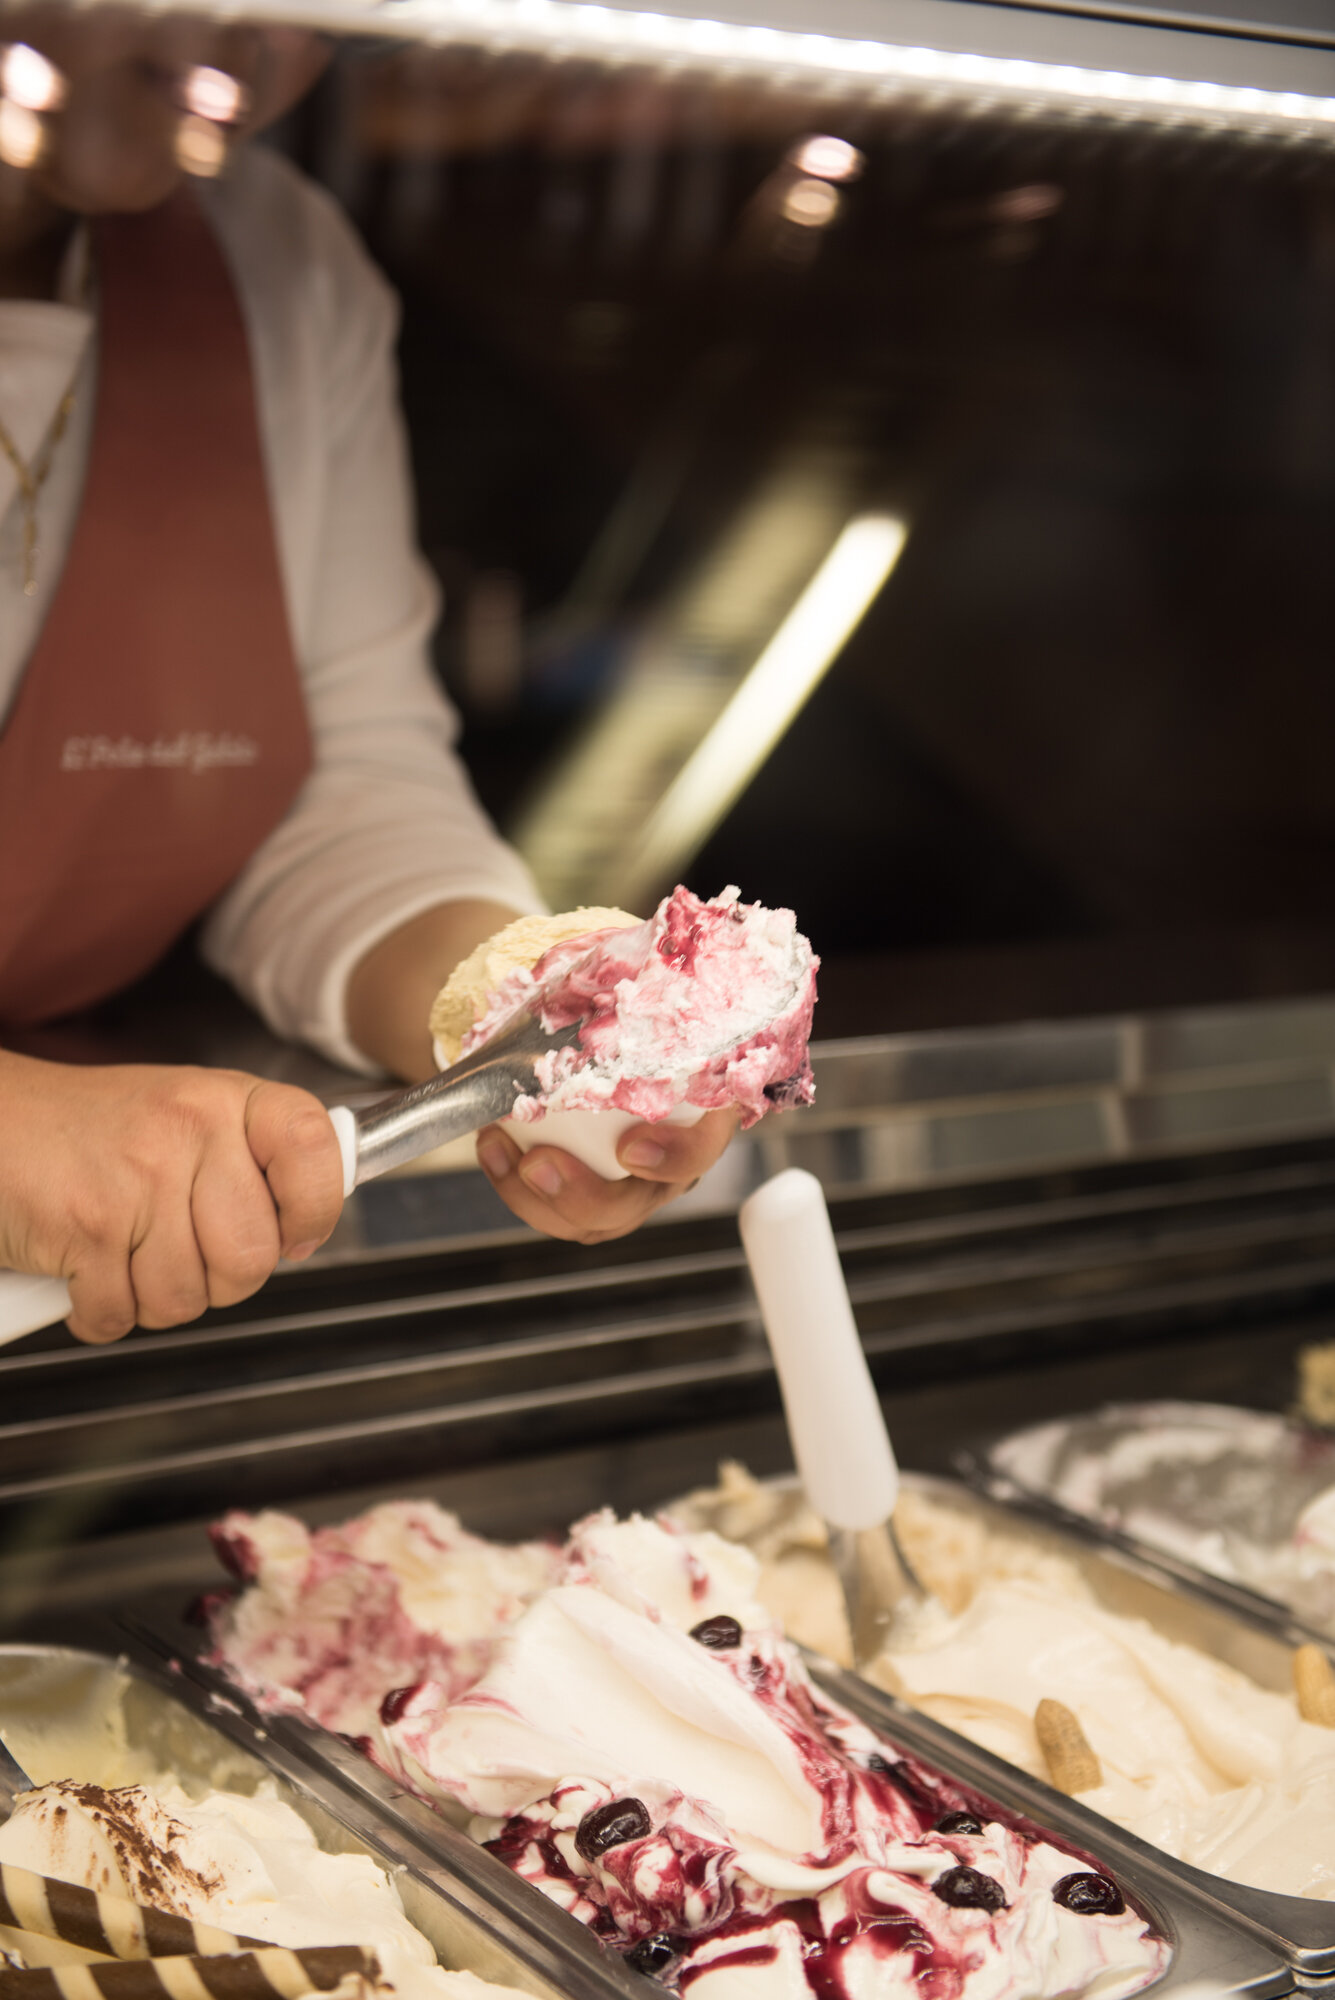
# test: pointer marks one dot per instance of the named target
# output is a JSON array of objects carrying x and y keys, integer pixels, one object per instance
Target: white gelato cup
[{"x": 590, "y": 1135}]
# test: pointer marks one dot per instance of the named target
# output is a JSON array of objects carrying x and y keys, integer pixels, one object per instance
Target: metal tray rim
[{"x": 394, "y": 1842}]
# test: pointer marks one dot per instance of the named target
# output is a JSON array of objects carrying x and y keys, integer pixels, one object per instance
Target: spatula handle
[{"x": 838, "y": 1434}]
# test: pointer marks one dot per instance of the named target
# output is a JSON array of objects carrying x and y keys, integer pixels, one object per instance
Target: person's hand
[
  {"x": 159, "y": 1191},
  {"x": 559, "y": 1195}
]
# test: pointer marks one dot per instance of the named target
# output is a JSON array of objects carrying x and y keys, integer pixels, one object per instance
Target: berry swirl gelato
[
  {"x": 647, "y": 1749},
  {"x": 707, "y": 1004}
]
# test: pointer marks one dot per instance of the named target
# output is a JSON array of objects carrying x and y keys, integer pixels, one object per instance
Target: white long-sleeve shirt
[{"x": 386, "y": 825}]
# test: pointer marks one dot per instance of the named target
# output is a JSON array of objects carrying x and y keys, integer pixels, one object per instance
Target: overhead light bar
[
  {"x": 558, "y": 27},
  {"x": 764, "y": 704}
]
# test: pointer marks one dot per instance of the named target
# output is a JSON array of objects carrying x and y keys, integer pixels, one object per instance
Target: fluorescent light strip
[
  {"x": 773, "y": 691},
  {"x": 560, "y": 28}
]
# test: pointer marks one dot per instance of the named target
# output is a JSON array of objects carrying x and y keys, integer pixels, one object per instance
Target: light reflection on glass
[
  {"x": 1027, "y": 204},
  {"x": 762, "y": 707},
  {"x": 29, "y": 80},
  {"x": 201, "y": 147},
  {"x": 827, "y": 158},
  {"x": 811, "y": 203}
]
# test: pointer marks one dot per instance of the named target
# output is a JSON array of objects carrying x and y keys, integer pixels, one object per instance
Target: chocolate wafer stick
[
  {"x": 111, "y": 1925},
  {"x": 272, "y": 1973}
]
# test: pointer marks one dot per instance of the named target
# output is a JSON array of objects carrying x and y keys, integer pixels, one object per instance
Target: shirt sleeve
[{"x": 387, "y": 824}]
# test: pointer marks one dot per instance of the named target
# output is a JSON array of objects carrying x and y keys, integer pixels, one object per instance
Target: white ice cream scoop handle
[
  {"x": 28, "y": 1302},
  {"x": 395, "y": 1129},
  {"x": 844, "y": 1457}
]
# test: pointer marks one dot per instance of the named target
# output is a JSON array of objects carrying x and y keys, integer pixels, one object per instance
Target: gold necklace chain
[{"x": 32, "y": 477}]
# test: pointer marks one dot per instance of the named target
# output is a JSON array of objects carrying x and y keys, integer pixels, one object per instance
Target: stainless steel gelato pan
[
  {"x": 66, "y": 1713},
  {"x": 1235, "y": 1501},
  {"x": 1301, "y": 1927},
  {"x": 1207, "y": 1941}
]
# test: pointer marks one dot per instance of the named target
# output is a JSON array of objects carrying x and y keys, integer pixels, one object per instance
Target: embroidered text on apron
[{"x": 159, "y": 732}]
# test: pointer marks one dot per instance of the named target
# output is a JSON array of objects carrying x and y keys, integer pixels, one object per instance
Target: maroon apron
[{"x": 159, "y": 732}]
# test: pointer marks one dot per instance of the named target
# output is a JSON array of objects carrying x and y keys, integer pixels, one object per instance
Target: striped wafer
[
  {"x": 271, "y": 1973},
  {"x": 111, "y": 1925}
]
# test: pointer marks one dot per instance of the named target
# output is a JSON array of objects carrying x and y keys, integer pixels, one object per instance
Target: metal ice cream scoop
[
  {"x": 395, "y": 1129},
  {"x": 844, "y": 1457},
  {"x": 477, "y": 1089}
]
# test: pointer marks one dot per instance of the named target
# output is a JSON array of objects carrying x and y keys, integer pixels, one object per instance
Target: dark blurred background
[{"x": 1076, "y": 756}]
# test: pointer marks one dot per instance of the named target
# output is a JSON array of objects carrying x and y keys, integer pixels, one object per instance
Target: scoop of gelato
[{"x": 707, "y": 1005}]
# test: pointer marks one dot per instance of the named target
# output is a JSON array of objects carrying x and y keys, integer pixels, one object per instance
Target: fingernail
[
  {"x": 302, "y": 1250},
  {"x": 543, "y": 1176},
  {"x": 642, "y": 1153},
  {"x": 494, "y": 1157}
]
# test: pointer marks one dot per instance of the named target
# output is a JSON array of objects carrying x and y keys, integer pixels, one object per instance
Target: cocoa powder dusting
[{"x": 151, "y": 1870}]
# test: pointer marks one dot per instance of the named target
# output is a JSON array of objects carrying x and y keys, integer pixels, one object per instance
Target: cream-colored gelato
[
  {"x": 786, "y": 1535},
  {"x": 468, "y": 992},
  {"x": 249, "y": 1865},
  {"x": 1194, "y": 1756}
]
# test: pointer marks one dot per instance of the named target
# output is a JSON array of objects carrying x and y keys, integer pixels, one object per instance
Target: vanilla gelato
[
  {"x": 1194, "y": 1757},
  {"x": 469, "y": 992},
  {"x": 249, "y": 1865},
  {"x": 645, "y": 1746}
]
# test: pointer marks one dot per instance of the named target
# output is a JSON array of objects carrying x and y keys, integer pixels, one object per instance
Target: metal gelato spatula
[
  {"x": 478, "y": 1088},
  {"x": 843, "y": 1452},
  {"x": 13, "y": 1780}
]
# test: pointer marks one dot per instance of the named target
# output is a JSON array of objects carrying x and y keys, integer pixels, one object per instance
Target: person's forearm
[{"x": 391, "y": 990}]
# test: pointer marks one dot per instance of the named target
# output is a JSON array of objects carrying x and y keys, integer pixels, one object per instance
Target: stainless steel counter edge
[{"x": 1210, "y": 1943}]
